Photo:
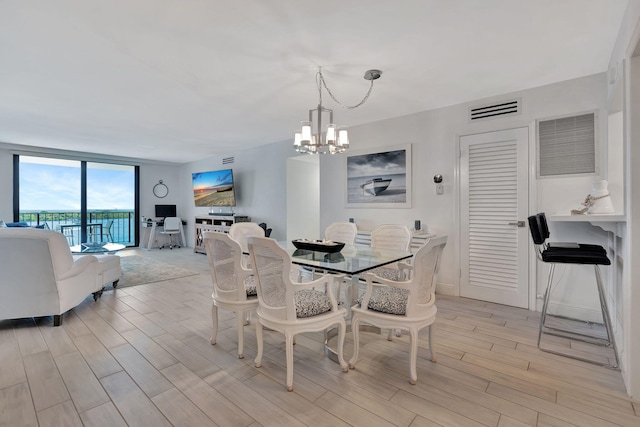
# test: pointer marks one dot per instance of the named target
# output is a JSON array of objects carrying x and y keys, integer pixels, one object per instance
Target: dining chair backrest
[
  {"x": 272, "y": 267},
  {"x": 344, "y": 232},
  {"x": 240, "y": 231},
  {"x": 426, "y": 262},
  {"x": 391, "y": 236},
  {"x": 224, "y": 256},
  {"x": 172, "y": 223}
]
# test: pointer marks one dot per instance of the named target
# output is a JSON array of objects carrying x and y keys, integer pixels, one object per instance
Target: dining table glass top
[{"x": 350, "y": 260}]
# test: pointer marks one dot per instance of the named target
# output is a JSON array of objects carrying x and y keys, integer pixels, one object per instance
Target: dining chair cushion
[
  {"x": 310, "y": 302},
  {"x": 393, "y": 274},
  {"x": 387, "y": 299},
  {"x": 250, "y": 286}
]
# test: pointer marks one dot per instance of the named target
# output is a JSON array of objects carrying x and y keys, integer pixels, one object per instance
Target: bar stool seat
[{"x": 571, "y": 253}]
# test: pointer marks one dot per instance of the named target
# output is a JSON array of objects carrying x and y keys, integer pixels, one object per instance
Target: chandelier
[{"x": 336, "y": 140}]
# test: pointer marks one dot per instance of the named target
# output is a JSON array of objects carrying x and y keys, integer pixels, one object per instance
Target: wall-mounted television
[{"x": 214, "y": 188}]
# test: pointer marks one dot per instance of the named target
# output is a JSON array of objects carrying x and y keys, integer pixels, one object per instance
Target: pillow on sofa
[{"x": 17, "y": 224}]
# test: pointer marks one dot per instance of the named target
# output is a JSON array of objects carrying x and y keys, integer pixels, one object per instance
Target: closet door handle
[{"x": 517, "y": 223}]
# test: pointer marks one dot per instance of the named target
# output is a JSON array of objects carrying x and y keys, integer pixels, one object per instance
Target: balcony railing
[{"x": 118, "y": 226}]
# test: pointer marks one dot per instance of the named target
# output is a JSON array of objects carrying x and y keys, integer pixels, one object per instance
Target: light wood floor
[{"x": 141, "y": 356}]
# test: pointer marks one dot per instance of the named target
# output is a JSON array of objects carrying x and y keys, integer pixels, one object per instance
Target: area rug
[{"x": 137, "y": 270}]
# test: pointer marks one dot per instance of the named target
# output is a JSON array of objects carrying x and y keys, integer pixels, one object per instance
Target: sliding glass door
[{"x": 86, "y": 201}]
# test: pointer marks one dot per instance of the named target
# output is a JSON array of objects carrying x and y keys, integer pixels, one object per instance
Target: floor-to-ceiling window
[{"x": 86, "y": 201}]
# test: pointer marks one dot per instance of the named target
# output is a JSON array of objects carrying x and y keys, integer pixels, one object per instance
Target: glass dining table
[{"x": 351, "y": 261}]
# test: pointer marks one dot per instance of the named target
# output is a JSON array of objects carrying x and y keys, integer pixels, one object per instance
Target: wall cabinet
[{"x": 219, "y": 223}]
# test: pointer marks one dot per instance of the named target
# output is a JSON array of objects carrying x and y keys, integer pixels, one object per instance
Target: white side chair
[
  {"x": 403, "y": 305},
  {"x": 391, "y": 236},
  {"x": 172, "y": 226},
  {"x": 344, "y": 232},
  {"x": 233, "y": 285},
  {"x": 291, "y": 307},
  {"x": 240, "y": 231}
]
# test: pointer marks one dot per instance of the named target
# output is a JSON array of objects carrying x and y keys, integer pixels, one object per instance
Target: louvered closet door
[{"x": 494, "y": 207}]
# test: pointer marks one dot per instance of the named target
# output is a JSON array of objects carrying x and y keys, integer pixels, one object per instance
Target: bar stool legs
[{"x": 566, "y": 333}]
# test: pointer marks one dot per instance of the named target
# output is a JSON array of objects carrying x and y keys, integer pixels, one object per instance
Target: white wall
[
  {"x": 434, "y": 136},
  {"x": 624, "y": 70},
  {"x": 150, "y": 175},
  {"x": 303, "y": 198},
  {"x": 260, "y": 178}
]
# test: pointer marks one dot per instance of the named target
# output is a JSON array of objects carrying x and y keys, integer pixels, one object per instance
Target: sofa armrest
[{"x": 79, "y": 266}]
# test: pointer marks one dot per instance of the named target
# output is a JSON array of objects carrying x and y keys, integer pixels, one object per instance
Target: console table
[{"x": 219, "y": 223}]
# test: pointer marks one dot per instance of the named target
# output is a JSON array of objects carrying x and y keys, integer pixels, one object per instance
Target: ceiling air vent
[
  {"x": 227, "y": 160},
  {"x": 494, "y": 110}
]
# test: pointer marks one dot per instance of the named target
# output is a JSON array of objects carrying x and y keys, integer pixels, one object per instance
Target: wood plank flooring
[{"x": 141, "y": 356}]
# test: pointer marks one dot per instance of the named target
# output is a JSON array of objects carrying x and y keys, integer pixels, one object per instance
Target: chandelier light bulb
[
  {"x": 331, "y": 135},
  {"x": 343, "y": 139},
  {"x": 306, "y": 133}
]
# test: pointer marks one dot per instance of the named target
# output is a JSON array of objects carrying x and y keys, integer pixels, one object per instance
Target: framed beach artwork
[{"x": 379, "y": 178}]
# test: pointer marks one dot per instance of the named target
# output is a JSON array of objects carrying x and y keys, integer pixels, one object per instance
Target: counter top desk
[{"x": 149, "y": 233}]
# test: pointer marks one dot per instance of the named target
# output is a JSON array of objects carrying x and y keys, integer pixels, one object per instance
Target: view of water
[{"x": 395, "y": 193}]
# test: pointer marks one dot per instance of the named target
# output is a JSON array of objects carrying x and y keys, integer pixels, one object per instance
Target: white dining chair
[
  {"x": 391, "y": 236},
  {"x": 291, "y": 307},
  {"x": 233, "y": 285},
  {"x": 240, "y": 231},
  {"x": 402, "y": 305},
  {"x": 344, "y": 232}
]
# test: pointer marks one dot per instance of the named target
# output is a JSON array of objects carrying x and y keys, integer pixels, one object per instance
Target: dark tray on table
[{"x": 318, "y": 246}]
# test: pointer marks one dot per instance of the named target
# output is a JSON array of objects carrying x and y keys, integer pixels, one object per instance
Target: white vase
[{"x": 602, "y": 201}]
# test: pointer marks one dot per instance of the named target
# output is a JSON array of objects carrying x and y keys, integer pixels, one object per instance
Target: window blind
[{"x": 566, "y": 146}]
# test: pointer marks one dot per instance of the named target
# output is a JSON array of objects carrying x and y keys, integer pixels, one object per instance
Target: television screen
[
  {"x": 166, "y": 211},
  {"x": 214, "y": 188}
]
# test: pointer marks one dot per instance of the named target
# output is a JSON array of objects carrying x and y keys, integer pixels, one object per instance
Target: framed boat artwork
[{"x": 379, "y": 179}]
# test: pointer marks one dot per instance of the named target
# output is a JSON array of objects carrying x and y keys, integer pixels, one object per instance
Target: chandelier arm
[{"x": 320, "y": 78}]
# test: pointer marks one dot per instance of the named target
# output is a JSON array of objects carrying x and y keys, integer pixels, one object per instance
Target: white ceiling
[{"x": 184, "y": 80}]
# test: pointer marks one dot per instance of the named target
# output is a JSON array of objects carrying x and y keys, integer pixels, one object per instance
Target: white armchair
[
  {"x": 233, "y": 285},
  {"x": 391, "y": 236},
  {"x": 240, "y": 232},
  {"x": 39, "y": 277},
  {"x": 291, "y": 307},
  {"x": 344, "y": 232},
  {"x": 405, "y": 305}
]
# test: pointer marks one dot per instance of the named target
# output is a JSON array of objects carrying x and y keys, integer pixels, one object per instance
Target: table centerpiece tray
[{"x": 318, "y": 245}]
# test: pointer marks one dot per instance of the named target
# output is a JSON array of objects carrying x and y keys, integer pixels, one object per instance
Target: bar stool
[{"x": 571, "y": 253}]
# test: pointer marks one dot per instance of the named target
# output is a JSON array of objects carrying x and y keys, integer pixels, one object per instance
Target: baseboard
[{"x": 446, "y": 289}]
